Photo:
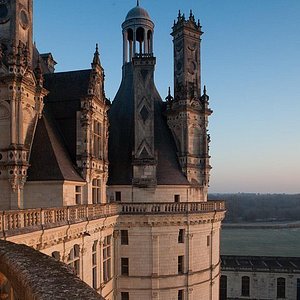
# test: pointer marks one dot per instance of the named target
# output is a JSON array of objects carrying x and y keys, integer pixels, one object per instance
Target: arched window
[
  {"x": 245, "y": 286},
  {"x": 149, "y": 39},
  {"x": 130, "y": 45},
  {"x": 140, "y": 37},
  {"x": 280, "y": 287},
  {"x": 74, "y": 259},
  {"x": 223, "y": 287}
]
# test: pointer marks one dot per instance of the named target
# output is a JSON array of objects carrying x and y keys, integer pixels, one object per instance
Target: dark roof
[
  {"x": 260, "y": 263},
  {"x": 67, "y": 86},
  {"x": 121, "y": 138},
  {"x": 49, "y": 159},
  {"x": 63, "y": 101}
]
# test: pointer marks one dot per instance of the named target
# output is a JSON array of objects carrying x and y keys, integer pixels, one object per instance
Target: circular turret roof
[{"x": 137, "y": 13}]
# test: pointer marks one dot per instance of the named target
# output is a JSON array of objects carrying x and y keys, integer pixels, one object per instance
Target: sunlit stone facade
[{"x": 118, "y": 190}]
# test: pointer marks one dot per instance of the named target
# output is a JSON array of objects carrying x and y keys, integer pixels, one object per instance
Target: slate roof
[
  {"x": 66, "y": 90},
  {"x": 53, "y": 154},
  {"x": 260, "y": 263},
  {"x": 49, "y": 159},
  {"x": 121, "y": 139}
]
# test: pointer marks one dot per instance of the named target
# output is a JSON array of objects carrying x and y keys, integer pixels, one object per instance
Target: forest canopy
[{"x": 248, "y": 207}]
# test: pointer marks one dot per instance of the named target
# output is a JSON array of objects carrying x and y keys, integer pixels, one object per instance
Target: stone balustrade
[
  {"x": 173, "y": 208},
  {"x": 13, "y": 222}
]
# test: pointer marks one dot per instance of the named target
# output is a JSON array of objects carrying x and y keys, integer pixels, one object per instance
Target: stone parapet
[
  {"x": 36, "y": 276},
  {"x": 15, "y": 222},
  {"x": 173, "y": 208}
]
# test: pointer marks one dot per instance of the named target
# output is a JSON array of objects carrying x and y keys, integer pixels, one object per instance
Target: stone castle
[{"x": 118, "y": 190}]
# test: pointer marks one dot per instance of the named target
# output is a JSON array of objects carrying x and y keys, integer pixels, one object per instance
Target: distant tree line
[{"x": 247, "y": 207}]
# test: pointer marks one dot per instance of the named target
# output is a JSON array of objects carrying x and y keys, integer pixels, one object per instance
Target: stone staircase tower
[{"x": 21, "y": 98}]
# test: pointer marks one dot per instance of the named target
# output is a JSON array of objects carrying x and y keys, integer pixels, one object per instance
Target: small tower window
[
  {"x": 208, "y": 240},
  {"x": 181, "y": 236},
  {"x": 125, "y": 266},
  {"x": 124, "y": 296},
  {"x": 118, "y": 196},
  {"x": 176, "y": 198},
  {"x": 180, "y": 264},
  {"x": 124, "y": 237},
  {"x": 180, "y": 295}
]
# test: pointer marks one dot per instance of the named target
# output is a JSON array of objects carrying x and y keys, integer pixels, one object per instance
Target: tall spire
[
  {"x": 96, "y": 60},
  {"x": 137, "y": 2}
]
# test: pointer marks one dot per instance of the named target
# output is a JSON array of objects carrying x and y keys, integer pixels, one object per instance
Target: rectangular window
[
  {"x": 125, "y": 266},
  {"x": 118, "y": 196},
  {"x": 124, "y": 237},
  {"x": 107, "y": 258},
  {"x": 281, "y": 287},
  {"x": 78, "y": 194},
  {"x": 97, "y": 140},
  {"x": 94, "y": 265},
  {"x": 208, "y": 241},
  {"x": 124, "y": 296},
  {"x": 176, "y": 198},
  {"x": 180, "y": 264},
  {"x": 245, "y": 286},
  {"x": 180, "y": 295},
  {"x": 96, "y": 191},
  {"x": 223, "y": 287},
  {"x": 181, "y": 236}
]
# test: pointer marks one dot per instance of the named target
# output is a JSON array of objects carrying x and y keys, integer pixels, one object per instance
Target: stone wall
[{"x": 35, "y": 276}]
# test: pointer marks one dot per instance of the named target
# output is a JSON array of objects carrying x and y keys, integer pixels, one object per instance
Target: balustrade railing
[
  {"x": 166, "y": 208},
  {"x": 14, "y": 221}
]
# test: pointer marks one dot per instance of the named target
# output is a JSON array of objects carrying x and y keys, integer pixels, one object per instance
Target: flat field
[{"x": 261, "y": 242}]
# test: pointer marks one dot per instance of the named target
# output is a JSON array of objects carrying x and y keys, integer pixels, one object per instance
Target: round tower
[{"x": 167, "y": 237}]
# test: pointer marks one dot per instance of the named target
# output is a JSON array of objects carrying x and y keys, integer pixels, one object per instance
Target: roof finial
[
  {"x": 137, "y": 2},
  {"x": 169, "y": 98},
  {"x": 96, "y": 59},
  {"x": 179, "y": 14},
  {"x": 204, "y": 90}
]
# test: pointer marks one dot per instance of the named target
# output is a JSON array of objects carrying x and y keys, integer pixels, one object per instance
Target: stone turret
[
  {"x": 21, "y": 98},
  {"x": 188, "y": 112}
]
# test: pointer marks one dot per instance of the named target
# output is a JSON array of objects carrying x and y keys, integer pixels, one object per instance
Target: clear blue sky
[{"x": 250, "y": 64}]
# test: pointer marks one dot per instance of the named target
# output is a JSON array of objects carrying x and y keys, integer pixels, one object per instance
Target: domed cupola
[
  {"x": 137, "y": 34},
  {"x": 137, "y": 13}
]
